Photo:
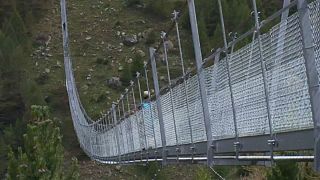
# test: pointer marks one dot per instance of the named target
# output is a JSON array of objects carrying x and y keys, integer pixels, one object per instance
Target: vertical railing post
[
  {"x": 114, "y": 113},
  {"x": 200, "y": 72},
  {"x": 271, "y": 141},
  {"x": 151, "y": 113},
  {"x": 124, "y": 123},
  {"x": 158, "y": 101},
  {"x": 163, "y": 37},
  {"x": 137, "y": 120},
  {"x": 129, "y": 118},
  {"x": 312, "y": 74},
  {"x": 143, "y": 116},
  {"x": 236, "y": 144},
  {"x": 279, "y": 55},
  {"x": 119, "y": 126},
  {"x": 175, "y": 19},
  {"x": 110, "y": 122}
]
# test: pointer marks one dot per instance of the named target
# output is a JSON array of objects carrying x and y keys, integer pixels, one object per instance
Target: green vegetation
[
  {"x": 12, "y": 136},
  {"x": 41, "y": 156},
  {"x": 237, "y": 15},
  {"x": 17, "y": 88}
]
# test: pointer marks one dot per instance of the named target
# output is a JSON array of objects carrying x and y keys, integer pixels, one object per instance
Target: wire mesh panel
[
  {"x": 156, "y": 123},
  {"x": 129, "y": 134},
  {"x": 248, "y": 91},
  {"x": 211, "y": 89},
  {"x": 219, "y": 100},
  {"x": 106, "y": 140},
  {"x": 168, "y": 119},
  {"x": 181, "y": 114},
  {"x": 148, "y": 124},
  {"x": 195, "y": 108},
  {"x": 135, "y": 132},
  {"x": 102, "y": 145},
  {"x": 121, "y": 139},
  {"x": 114, "y": 142},
  {"x": 315, "y": 25},
  {"x": 290, "y": 106},
  {"x": 96, "y": 146},
  {"x": 141, "y": 133}
]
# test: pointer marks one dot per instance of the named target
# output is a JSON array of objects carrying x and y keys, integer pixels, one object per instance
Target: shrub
[
  {"x": 42, "y": 154},
  {"x": 284, "y": 170}
]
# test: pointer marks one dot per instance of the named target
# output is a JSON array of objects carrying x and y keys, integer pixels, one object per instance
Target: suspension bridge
[{"x": 252, "y": 104}]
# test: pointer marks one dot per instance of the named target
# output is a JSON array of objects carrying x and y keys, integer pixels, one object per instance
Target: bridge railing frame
[{"x": 237, "y": 150}]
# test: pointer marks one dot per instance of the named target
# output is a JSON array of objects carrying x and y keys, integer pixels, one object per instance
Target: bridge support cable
[
  {"x": 158, "y": 101},
  {"x": 312, "y": 74},
  {"x": 200, "y": 74},
  {"x": 163, "y": 37},
  {"x": 118, "y": 127},
  {"x": 236, "y": 144},
  {"x": 176, "y": 20},
  {"x": 137, "y": 123},
  {"x": 123, "y": 125},
  {"x": 130, "y": 119},
  {"x": 216, "y": 61},
  {"x": 272, "y": 141},
  {"x": 216, "y": 173},
  {"x": 132, "y": 123},
  {"x": 115, "y": 130}
]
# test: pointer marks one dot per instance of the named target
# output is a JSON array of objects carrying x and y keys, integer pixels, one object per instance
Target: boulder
[
  {"x": 58, "y": 64},
  {"x": 120, "y": 68},
  {"x": 47, "y": 70},
  {"x": 130, "y": 40},
  {"x": 140, "y": 53},
  {"x": 118, "y": 168},
  {"x": 114, "y": 82},
  {"x": 42, "y": 39}
]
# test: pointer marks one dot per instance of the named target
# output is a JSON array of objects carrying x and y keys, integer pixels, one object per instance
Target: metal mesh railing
[
  {"x": 286, "y": 100},
  {"x": 315, "y": 23}
]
